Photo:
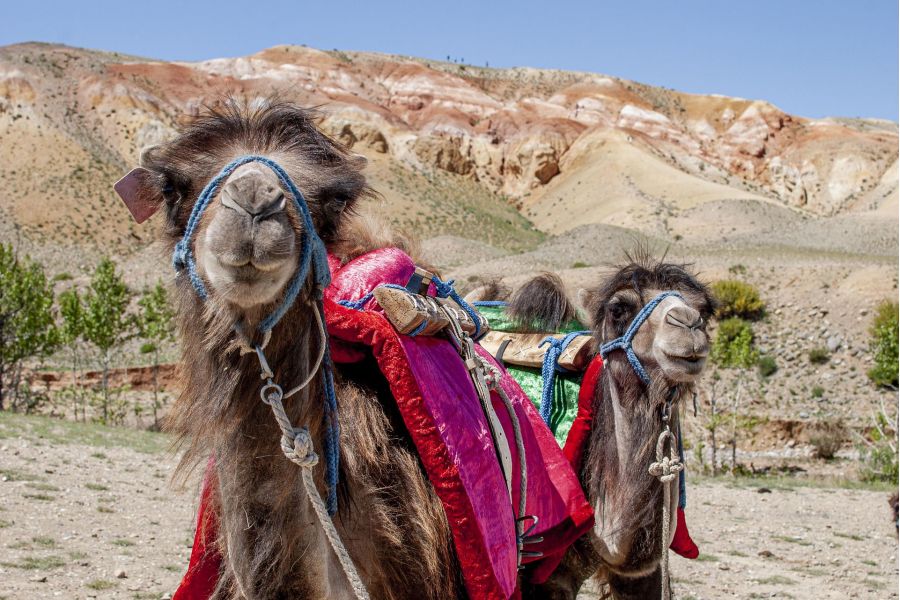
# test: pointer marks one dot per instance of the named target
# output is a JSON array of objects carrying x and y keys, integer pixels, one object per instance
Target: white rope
[
  {"x": 323, "y": 339},
  {"x": 297, "y": 446},
  {"x": 666, "y": 469}
]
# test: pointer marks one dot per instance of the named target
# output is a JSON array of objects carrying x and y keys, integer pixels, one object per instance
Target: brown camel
[
  {"x": 246, "y": 250},
  {"x": 624, "y": 547}
]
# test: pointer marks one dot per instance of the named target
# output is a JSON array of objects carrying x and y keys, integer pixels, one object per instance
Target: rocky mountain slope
[{"x": 549, "y": 143}]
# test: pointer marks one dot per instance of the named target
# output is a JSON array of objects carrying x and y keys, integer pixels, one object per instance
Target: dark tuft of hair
[{"x": 541, "y": 304}]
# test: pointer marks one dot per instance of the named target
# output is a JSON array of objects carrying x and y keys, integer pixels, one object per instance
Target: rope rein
[
  {"x": 297, "y": 446},
  {"x": 667, "y": 469}
]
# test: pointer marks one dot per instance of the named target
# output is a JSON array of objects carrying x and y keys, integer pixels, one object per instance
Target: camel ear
[
  {"x": 585, "y": 299},
  {"x": 140, "y": 195}
]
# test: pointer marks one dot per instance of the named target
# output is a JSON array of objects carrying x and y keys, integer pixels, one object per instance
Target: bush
[
  {"x": 738, "y": 299},
  {"x": 884, "y": 345},
  {"x": 819, "y": 356},
  {"x": 818, "y": 391},
  {"x": 828, "y": 437},
  {"x": 767, "y": 366},
  {"x": 733, "y": 346},
  {"x": 879, "y": 452}
]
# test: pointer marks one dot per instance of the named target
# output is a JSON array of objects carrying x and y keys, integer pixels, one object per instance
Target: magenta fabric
[{"x": 444, "y": 417}]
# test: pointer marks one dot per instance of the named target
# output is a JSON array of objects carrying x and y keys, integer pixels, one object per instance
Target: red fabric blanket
[{"x": 441, "y": 411}]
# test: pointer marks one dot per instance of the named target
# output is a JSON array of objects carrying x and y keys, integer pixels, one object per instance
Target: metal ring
[{"x": 276, "y": 394}]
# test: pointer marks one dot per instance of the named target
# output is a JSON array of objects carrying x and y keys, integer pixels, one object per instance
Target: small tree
[
  {"x": 106, "y": 324},
  {"x": 71, "y": 330},
  {"x": 26, "y": 316},
  {"x": 155, "y": 325},
  {"x": 885, "y": 345},
  {"x": 733, "y": 349}
]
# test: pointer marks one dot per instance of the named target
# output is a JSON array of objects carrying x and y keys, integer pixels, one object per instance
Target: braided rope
[
  {"x": 297, "y": 445},
  {"x": 667, "y": 470},
  {"x": 550, "y": 367}
]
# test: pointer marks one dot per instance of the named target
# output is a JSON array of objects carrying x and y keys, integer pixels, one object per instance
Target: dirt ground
[{"x": 87, "y": 512}]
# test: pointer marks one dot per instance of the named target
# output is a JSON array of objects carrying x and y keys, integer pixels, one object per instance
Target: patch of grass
[
  {"x": 104, "y": 509},
  {"x": 100, "y": 584},
  {"x": 819, "y": 356},
  {"x": 707, "y": 558},
  {"x": 99, "y": 455},
  {"x": 41, "y": 497},
  {"x": 78, "y": 555},
  {"x": 97, "y": 487},
  {"x": 579, "y": 265},
  {"x": 818, "y": 391},
  {"x": 17, "y": 475},
  {"x": 792, "y": 540},
  {"x": 776, "y": 580},
  {"x": 123, "y": 542},
  {"x": 57, "y": 431},
  {"x": 172, "y": 568},
  {"x": 850, "y": 536},
  {"x": 4, "y": 524},
  {"x": 767, "y": 366},
  {"x": 870, "y": 563},
  {"x": 44, "y": 541},
  {"x": 737, "y": 553},
  {"x": 44, "y": 487},
  {"x": 37, "y": 563}
]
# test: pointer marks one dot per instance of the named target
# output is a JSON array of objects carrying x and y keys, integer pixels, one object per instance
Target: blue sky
[{"x": 813, "y": 58}]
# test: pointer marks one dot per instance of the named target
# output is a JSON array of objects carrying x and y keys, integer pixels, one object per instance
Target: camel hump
[{"x": 542, "y": 304}]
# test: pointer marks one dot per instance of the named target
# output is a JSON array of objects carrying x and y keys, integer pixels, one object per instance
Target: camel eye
[{"x": 618, "y": 310}]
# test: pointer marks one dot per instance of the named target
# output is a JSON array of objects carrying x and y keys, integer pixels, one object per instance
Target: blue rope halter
[
  {"x": 551, "y": 367},
  {"x": 313, "y": 256},
  {"x": 624, "y": 342}
]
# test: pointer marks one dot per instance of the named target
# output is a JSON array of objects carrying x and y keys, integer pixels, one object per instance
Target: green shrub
[
  {"x": 579, "y": 264},
  {"x": 878, "y": 450},
  {"x": 884, "y": 345},
  {"x": 819, "y": 356},
  {"x": 818, "y": 391},
  {"x": 738, "y": 299},
  {"x": 733, "y": 345},
  {"x": 767, "y": 366}
]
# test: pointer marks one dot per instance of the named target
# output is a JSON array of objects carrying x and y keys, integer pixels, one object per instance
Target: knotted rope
[
  {"x": 297, "y": 446},
  {"x": 551, "y": 367},
  {"x": 445, "y": 289},
  {"x": 666, "y": 469}
]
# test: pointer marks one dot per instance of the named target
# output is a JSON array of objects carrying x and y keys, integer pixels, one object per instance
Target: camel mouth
[{"x": 691, "y": 364}]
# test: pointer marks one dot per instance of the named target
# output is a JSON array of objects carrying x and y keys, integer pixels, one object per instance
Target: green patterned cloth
[{"x": 565, "y": 391}]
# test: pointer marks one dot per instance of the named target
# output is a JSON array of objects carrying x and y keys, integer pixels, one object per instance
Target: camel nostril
[{"x": 249, "y": 193}]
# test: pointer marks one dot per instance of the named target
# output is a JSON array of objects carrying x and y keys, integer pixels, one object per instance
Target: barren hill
[{"x": 454, "y": 149}]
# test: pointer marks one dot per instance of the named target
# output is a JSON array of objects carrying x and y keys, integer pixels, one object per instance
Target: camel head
[
  {"x": 246, "y": 242},
  {"x": 672, "y": 344}
]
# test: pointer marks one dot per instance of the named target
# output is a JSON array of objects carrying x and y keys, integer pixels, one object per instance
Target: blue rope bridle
[
  {"x": 624, "y": 342},
  {"x": 313, "y": 257}
]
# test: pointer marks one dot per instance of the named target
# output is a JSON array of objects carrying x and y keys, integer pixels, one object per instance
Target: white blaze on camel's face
[
  {"x": 246, "y": 247},
  {"x": 673, "y": 338}
]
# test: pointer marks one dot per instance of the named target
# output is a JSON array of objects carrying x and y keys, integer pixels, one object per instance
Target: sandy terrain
[{"x": 87, "y": 512}]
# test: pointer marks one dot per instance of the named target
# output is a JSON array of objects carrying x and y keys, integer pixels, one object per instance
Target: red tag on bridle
[{"x": 128, "y": 188}]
